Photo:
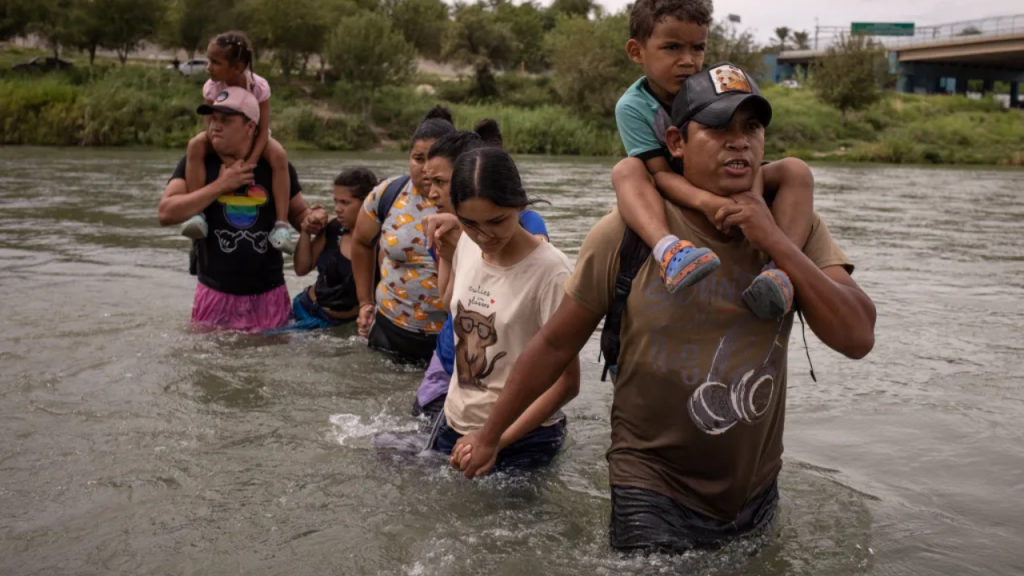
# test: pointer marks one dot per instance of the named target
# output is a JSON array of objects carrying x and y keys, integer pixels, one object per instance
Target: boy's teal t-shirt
[{"x": 642, "y": 121}]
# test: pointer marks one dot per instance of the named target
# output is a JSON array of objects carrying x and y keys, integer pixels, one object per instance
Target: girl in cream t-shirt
[{"x": 506, "y": 283}]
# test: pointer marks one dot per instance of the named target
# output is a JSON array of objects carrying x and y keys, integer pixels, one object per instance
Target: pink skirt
[{"x": 213, "y": 309}]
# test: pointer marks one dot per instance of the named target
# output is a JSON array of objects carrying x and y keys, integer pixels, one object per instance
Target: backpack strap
[
  {"x": 387, "y": 200},
  {"x": 633, "y": 252},
  {"x": 388, "y": 197}
]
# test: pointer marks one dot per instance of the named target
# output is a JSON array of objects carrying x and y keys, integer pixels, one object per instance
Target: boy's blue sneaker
[
  {"x": 684, "y": 264},
  {"x": 770, "y": 295},
  {"x": 195, "y": 227}
]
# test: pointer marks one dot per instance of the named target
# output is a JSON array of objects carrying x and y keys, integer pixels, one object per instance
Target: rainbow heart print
[{"x": 242, "y": 208}]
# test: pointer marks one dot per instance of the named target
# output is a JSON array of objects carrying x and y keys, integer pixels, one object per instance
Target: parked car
[
  {"x": 193, "y": 67},
  {"x": 42, "y": 64},
  {"x": 327, "y": 76}
]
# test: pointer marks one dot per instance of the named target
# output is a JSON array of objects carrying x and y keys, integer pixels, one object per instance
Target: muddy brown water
[{"x": 133, "y": 446}]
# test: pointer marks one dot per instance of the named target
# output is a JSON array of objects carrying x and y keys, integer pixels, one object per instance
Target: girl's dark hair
[
  {"x": 360, "y": 181},
  {"x": 236, "y": 46},
  {"x": 489, "y": 132},
  {"x": 488, "y": 173},
  {"x": 454, "y": 144},
  {"x": 435, "y": 124}
]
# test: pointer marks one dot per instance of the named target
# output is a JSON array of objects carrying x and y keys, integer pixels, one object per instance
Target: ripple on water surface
[{"x": 133, "y": 445}]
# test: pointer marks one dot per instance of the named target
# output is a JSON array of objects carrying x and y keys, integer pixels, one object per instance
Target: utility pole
[{"x": 816, "y": 27}]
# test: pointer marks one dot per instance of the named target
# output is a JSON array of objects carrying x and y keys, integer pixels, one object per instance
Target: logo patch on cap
[
  {"x": 729, "y": 78},
  {"x": 222, "y": 96}
]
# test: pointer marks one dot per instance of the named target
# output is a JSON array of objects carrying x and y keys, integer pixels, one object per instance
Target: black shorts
[
  {"x": 648, "y": 522},
  {"x": 403, "y": 346},
  {"x": 534, "y": 450}
]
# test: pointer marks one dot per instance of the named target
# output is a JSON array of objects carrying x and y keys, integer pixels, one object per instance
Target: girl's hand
[
  {"x": 473, "y": 455},
  {"x": 436, "y": 226},
  {"x": 315, "y": 220},
  {"x": 365, "y": 321}
]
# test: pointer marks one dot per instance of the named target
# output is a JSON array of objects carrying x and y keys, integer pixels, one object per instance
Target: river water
[{"x": 133, "y": 446}]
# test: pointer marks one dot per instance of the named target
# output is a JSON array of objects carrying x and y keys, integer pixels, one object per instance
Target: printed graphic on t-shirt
[
  {"x": 739, "y": 386},
  {"x": 722, "y": 401},
  {"x": 228, "y": 240},
  {"x": 242, "y": 208},
  {"x": 476, "y": 334}
]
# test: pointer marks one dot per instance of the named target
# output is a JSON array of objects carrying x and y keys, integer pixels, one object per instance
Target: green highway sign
[{"x": 882, "y": 28}]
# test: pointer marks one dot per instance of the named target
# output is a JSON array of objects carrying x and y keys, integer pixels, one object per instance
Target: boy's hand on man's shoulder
[{"x": 751, "y": 215}]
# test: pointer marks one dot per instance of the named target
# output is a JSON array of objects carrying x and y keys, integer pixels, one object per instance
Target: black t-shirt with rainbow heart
[{"x": 236, "y": 256}]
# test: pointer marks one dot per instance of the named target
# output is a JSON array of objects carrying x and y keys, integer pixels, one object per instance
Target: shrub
[{"x": 544, "y": 130}]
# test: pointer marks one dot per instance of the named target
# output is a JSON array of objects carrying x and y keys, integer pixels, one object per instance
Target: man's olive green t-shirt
[{"x": 699, "y": 400}]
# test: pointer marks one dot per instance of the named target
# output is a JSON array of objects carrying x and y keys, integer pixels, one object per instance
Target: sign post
[{"x": 882, "y": 28}]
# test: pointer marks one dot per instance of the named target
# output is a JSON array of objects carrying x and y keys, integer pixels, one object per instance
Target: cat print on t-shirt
[{"x": 476, "y": 334}]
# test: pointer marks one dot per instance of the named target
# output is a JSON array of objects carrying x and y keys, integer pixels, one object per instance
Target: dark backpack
[{"x": 633, "y": 252}]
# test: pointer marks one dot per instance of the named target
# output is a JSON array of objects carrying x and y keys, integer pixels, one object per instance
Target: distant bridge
[{"x": 938, "y": 59}]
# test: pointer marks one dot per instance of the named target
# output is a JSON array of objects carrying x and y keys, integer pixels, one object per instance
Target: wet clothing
[
  {"x": 407, "y": 294},
  {"x": 248, "y": 313},
  {"x": 534, "y": 450},
  {"x": 433, "y": 387},
  {"x": 310, "y": 315},
  {"x": 498, "y": 310},
  {"x": 403, "y": 346},
  {"x": 236, "y": 257},
  {"x": 335, "y": 286},
  {"x": 699, "y": 400},
  {"x": 645, "y": 521},
  {"x": 435, "y": 382}
]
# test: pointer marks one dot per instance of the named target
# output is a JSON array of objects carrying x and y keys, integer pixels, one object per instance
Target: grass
[
  {"x": 901, "y": 129},
  {"x": 148, "y": 106},
  {"x": 151, "y": 106}
]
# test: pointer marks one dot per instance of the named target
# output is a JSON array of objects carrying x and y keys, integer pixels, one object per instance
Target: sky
[{"x": 762, "y": 17}]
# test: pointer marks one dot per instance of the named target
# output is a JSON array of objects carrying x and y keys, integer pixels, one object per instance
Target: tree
[
  {"x": 526, "y": 21},
  {"x": 572, "y": 7},
  {"x": 589, "y": 61},
  {"x": 423, "y": 23},
  {"x": 128, "y": 23},
  {"x": 368, "y": 53},
  {"x": 480, "y": 40},
  {"x": 189, "y": 24},
  {"x": 726, "y": 43},
  {"x": 849, "y": 75},
  {"x": 15, "y": 18},
  {"x": 294, "y": 30},
  {"x": 802, "y": 40},
  {"x": 782, "y": 34},
  {"x": 88, "y": 27},
  {"x": 51, "y": 21}
]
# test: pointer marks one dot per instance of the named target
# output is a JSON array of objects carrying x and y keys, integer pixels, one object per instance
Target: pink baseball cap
[{"x": 234, "y": 100}]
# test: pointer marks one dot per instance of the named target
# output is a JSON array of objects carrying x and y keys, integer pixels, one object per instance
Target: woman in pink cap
[
  {"x": 229, "y": 63},
  {"x": 241, "y": 279}
]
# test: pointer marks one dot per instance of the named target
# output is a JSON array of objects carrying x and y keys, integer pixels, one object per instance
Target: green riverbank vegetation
[{"x": 359, "y": 74}]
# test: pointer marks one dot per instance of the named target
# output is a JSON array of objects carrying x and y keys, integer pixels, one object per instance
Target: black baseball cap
[{"x": 712, "y": 96}]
